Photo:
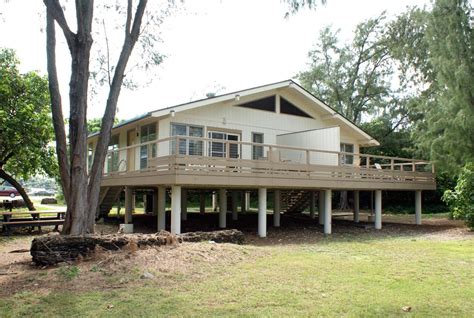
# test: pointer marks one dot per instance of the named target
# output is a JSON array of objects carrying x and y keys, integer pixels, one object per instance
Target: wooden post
[
  {"x": 321, "y": 207},
  {"x": 184, "y": 204},
  {"x": 234, "y": 206},
  {"x": 128, "y": 205}
]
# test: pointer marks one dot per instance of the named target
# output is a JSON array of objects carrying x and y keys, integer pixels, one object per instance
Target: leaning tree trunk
[{"x": 5, "y": 176}]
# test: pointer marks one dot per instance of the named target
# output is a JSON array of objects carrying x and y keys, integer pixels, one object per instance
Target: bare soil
[{"x": 164, "y": 265}]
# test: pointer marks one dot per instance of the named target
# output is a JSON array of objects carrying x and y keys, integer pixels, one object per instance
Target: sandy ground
[{"x": 110, "y": 270}]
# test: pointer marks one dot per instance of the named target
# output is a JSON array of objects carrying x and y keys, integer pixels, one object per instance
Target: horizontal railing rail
[{"x": 186, "y": 154}]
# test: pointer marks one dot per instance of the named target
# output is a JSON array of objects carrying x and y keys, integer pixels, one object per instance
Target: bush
[{"x": 461, "y": 200}]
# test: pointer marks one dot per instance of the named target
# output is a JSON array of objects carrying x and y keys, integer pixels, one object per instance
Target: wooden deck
[{"x": 367, "y": 171}]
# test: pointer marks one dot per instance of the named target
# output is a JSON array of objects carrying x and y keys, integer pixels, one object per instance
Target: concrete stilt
[
  {"x": 184, "y": 204},
  {"x": 161, "y": 208},
  {"x": 356, "y": 206},
  {"x": 276, "y": 208},
  {"x": 242, "y": 202},
  {"x": 247, "y": 200},
  {"x": 222, "y": 208},
  {"x": 321, "y": 207},
  {"x": 234, "y": 206},
  {"x": 378, "y": 209},
  {"x": 418, "y": 207},
  {"x": 202, "y": 202},
  {"x": 312, "y": 205},
  {"x": 214, "y": 201},
  {"x": 128, "y": 205},
  {"x": 176, "y": 209},
  {"x": 327, "y": 211},
  {"x": 262, "y": 212}
]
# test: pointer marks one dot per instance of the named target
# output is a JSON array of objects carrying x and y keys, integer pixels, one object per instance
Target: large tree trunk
[
  {"x": 82, "y": 191},
  {"x": 5, "y": 176}
]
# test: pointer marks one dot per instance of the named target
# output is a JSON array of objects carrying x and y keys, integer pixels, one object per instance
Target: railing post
[
  {"x": 227, "y": 150},
  {"x": 432, "y": 168},
  {"x": 367, "y": 162},
  {"x": 176, "y": 150},
  {"x": 392, "y": 164},
  {"x": 413, "y": 166}
]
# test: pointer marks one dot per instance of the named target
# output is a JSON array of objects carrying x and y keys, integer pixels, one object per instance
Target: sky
[{"x": 210, "y": 46}]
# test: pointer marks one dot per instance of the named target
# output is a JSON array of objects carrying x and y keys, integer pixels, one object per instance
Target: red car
[{"x": 8, "y": 191}]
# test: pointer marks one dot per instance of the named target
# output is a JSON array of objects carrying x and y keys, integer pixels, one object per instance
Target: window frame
[
  {"x": 197, "y": 146},
  {"x": 254, "y": 147},
  {"x": 347, "y": 160}
]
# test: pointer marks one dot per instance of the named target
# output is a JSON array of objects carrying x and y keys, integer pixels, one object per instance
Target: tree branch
[
  {"x": 57, "y": 13},
  {"x": 56, "y": 106}
]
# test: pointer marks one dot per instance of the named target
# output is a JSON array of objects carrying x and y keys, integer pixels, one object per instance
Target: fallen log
[
  {"x": 224, "y": 236},
  {"x": 53, "y": 249}
]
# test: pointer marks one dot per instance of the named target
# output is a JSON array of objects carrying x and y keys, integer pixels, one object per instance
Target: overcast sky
[{"x": 210, "y": 45}]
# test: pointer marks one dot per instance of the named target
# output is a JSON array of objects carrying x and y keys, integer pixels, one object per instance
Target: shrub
[{"x": 461, "y": 200}]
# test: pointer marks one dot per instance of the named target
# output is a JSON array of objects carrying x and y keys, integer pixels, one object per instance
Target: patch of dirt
[{"x": 120, "y": 269}]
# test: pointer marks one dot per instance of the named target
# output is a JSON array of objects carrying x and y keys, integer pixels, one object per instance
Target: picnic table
[{"x": 31, "y": 219}]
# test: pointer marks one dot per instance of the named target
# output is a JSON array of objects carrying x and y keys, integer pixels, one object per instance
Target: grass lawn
[{"x": 366, "y": 276}]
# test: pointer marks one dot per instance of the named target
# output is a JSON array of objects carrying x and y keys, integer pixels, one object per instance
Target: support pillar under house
[
  {"x": 222, "y": 208},
  {"x": 128, "y": 205},
  {"x": 161, "y": 208},
  {"x": 327, "y": 211},
  {"x": 176, "y": 209},
  {"x": 276, "y": 208},
  {"x": 356, "y": 206},
  {"x": 378, "y": 209},
  {"x": 262, "y": 212},
  {"x": 418, "y": 207}
]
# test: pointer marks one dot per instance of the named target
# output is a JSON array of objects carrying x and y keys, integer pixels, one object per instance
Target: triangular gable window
[
  {"x": 267, "y": 104},
  {"x": 288, "y": 108}
]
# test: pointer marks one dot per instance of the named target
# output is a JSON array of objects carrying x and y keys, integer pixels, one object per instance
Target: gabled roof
[{"x": 331, "y": 112}]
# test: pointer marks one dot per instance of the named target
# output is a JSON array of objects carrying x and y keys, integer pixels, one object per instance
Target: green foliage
[
  {"x": 69, "y": 272},
  {"x": 94, "y": 124},
  {"x": 436, "y": 49},
  {"x": 25, "y": 121},
  {"x": 353, "y": 77},
  {"x": 461, "y": 200}
]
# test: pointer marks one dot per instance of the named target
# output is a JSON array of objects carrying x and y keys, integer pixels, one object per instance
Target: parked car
[
  {"x": 8, "y": 191},
  {"x": 42, "y": 192}
]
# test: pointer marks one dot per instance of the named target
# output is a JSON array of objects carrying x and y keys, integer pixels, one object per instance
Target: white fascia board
[
  {"x": 218, "y": 99},
  {"x": 331, "y": 114}
]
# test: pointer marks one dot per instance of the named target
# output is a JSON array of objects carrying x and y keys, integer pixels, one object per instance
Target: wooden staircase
[
  {"x": 295, "y": 201},
  {"x": 107, "y": 198}
]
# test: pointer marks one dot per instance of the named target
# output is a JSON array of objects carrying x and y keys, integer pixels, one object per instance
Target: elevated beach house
[{"x": 275, "y": 138}]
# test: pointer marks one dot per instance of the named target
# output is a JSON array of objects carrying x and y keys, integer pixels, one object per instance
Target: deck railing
[{"x": 197, "y": 155}]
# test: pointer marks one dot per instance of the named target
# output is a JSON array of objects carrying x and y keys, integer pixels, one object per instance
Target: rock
[
  {"x": 147, "y": 275},
  {"x": 406, "y": 309},
  {"x": 49, "y": 201}
]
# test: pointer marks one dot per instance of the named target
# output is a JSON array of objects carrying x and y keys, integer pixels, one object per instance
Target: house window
[
  {"x": 347, "y": 159},
  {"x": 113, "y": 157},
  {"x": 147, "y": 133},
  {"x": 288, "y": 108},
  {"x": 219, "y": 148},
  {"x": 186, "y": 146},
  {"x": 257, "y": 151},
  {"x": 267, "y": 104}
]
